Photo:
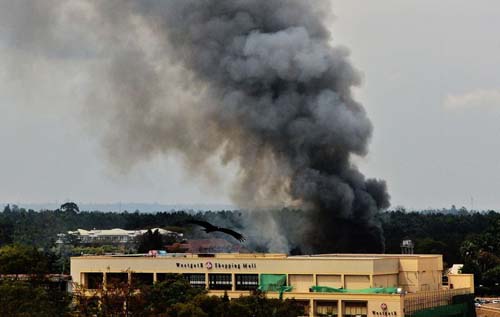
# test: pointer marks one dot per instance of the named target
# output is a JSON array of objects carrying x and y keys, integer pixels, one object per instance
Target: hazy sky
[{"x": 431, "y": 88}]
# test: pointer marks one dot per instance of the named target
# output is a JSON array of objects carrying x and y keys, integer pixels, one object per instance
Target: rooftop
[
  {"x": 276, "y": 256},
  {"x": 116, "y": 232}
]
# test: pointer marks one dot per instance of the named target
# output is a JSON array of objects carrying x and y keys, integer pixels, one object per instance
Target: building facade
[
  {"x": 112, "y": 236},
  {"x": 326, "y": 285}
]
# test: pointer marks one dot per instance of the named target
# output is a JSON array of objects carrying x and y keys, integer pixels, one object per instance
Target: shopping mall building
[{"x": 327, "y": 285}]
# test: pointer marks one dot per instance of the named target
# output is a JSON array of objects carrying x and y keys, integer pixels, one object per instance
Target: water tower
[{"x": 407, "y": 247}]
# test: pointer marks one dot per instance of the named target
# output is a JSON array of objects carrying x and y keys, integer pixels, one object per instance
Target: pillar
[
  {"x": 83, "y": 280},
  {"x": 104, "y": 280}
]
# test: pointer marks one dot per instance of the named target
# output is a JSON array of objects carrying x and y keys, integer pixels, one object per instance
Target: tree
[
  {"x": 431, "y": 246},
  {"x": 172, "y": 297},
  {"x": 492, "y": 276},
  {"x": 85, "y": 304},
  {"x": 260, "y": 306},
  {"x": 70, "y": 207},
  {"x": 150, "y": 241},
  {"x": 174, "y": 289},
  {"x": 7, "y": 209},
  {"x": 238, "y": 309},
  {"x": 6, "y": 232},
  {"x": 23, "y": 299},
  {"x": 209, "y": 304},
  {"x": 119, "y": 298},
  {"x": 175, "y": 297},
  {"x": 19, "y": 259},
  {"x": 186, "y": 310}
]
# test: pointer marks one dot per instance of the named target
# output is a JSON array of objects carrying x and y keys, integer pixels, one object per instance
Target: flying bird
[{"x": 211, "y": 228}]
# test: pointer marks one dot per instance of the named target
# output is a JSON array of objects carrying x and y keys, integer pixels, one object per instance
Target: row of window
[
  {"x": 110, "y": 239},
  {"x": 243, "y": 282},
  {"x": 215, "y": 281}
]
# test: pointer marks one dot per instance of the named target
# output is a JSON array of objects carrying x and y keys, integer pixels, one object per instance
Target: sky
[{"x": 431, "y": 87}]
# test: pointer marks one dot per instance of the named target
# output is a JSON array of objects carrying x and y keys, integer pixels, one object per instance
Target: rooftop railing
[{"x": 414, "y": 302}]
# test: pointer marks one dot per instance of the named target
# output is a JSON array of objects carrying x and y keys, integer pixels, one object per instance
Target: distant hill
[
  {"x": 445, "y": 211},
  {"x": 130, "y": 207}
]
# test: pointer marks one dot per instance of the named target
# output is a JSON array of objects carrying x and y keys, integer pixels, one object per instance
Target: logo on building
[
  {"x": 217, "y": 265},
  {"x": 384, "y": 311}
]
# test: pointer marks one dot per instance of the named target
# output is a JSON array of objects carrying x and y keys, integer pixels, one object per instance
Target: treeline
[
  {"x": 435, "y": 233},
  {"x": 431, "y": 232},
  {"x": 471, "y": 238},
  {"x": 25, "y": 285},
  {"x": 40, "y": 228}
]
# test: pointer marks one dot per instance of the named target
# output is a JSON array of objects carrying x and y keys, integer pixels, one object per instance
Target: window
[
  {"x": 93, "y": 280},
  {"x": 196, "y": 280},
  {"x": 326, "y": 309},
  {"x": 116, "y": 279},
  {"x": 305, "y": 307},
  {"x": 220, "y": 281},
  {"x": 142, "y": 279},
  {"x": 161, "y": 277},
  {"x": 245, "y": 282},
  {"x": 355, "y": 309}
]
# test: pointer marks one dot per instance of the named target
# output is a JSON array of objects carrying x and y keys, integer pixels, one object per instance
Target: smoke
[{"x": 254, "y": 82}]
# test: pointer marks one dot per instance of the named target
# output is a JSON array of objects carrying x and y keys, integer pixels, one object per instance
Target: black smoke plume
[{"x": 256, "y": 82}]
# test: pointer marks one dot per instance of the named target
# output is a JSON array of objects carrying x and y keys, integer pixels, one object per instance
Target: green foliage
[
  {"x": 481, "y": 256},
  {"x": 433, "y": 231},
  {"x": 430, "y": 246},
  {"x": 492, "y": 276},
  {"x": 19, "y": 259},
  {"x": 24, "y": 289},
  {"x": 186, "y": 310},
  {"x": 174, "y": 297},
  {"x": 174, "y": 289},
  {"x": 70, "y": 207},
  {"x": 235, "y": 308},
  {"x": 462, "y": 237},
  {"x": 150, "y": 241},
  {"x": 261, "y": 306},
  {"x": 209, "y": 304},
  {"x": 24, "y": 298},
  {"x": 40, "y": 228},
  {"x": 6, "y": 232},
  {"x": 100, "y": 250},
  {"x": 255, "y": 305}
]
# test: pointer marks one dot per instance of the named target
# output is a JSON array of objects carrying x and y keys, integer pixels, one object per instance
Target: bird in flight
[{"x": 211, "y": 228}]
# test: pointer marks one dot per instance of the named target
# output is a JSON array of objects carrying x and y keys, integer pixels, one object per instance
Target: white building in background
[{"x": 114, "y": 236}]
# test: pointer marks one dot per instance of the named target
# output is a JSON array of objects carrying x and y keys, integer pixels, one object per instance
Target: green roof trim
[
  {"x": 274, "y": 283},
  {"x": 376, "y": 290}
]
